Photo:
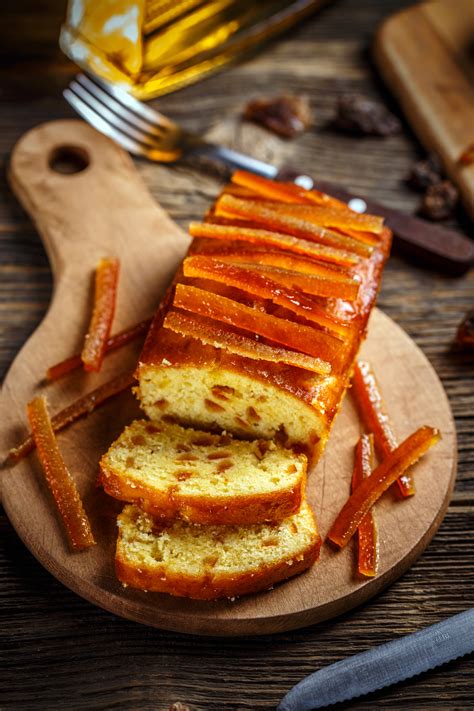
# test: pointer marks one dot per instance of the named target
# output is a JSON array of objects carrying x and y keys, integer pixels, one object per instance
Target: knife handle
[{"x": 428, "y": 244}]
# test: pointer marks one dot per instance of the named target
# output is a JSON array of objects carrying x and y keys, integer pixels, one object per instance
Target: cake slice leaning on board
[
  {"x": 259, "y": 331},
  {"x": 256, "y": 338}
]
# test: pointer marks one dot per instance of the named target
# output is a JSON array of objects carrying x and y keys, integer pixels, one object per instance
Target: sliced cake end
[{"x": 209, "y": 562}]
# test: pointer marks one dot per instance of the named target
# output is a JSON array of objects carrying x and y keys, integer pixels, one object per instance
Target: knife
[
  {"x": 431, "y": 245},
  {"x": 385, "y": 665}
]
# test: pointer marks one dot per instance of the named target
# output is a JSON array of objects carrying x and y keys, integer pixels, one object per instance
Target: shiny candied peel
[
  {"x": 95, "y": 343},
  {"x": 284, "y": 192},
  {"x": 367, "y": 559},
  {"x": 58, "y": 477},
  {"x": 80, "y": 407},
  {"x": 289, "y": 243},
  {"x": 220, "y": 308},
  {"x": 335, "y": 218},
  {"x": 260, "y": 285},
  {"x": 262, "y": 213},
  {"x": 372, "y": 488},
  {"x": 372, "y": 412},
  {"x": 210, "y": 334},
  {"x": 118, "y": 340}
]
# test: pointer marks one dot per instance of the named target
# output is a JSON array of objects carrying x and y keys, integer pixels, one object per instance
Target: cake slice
[
  {"x": 209, "y": 562},
  {"x": 171, "y": 471}
]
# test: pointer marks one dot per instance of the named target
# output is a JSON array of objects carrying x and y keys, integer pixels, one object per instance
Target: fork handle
[{"x": 233, "y": 159}]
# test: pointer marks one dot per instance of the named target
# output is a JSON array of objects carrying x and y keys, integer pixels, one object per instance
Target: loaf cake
[
  {"x": 260, "y": 328},
  {"x": 208, "y": 562},
  {"x": 171, "y": 471}
]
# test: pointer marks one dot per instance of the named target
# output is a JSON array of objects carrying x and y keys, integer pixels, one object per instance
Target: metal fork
[{"x": 147, "y": 133}]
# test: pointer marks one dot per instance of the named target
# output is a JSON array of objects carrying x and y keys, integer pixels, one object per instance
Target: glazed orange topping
[
  {"x": 284, "y": 192},
  {"x": 372, "y": 412},
  {"x": 116, "y": 341},
  {"x": 263, "y": 214},
  {"x": 260, "y": 285},
  {"x": 209, "y": 333},
  {"x": 311, "y": 284},
  {"x": 302, "y": 265},
  {"x": 95, "y": 343},
  {"x": 332, "y": 217},
  {"x": 219, "y": 308},
  {"x": 367, "y": 533},
  {"x": 273, "y": 239},
  {"x": 83, "y": 406},
  {"x": 58, "y": 477},
  {"x": 372, "y": 488}
]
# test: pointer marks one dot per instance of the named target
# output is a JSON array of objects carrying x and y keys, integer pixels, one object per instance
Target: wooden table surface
[{"x": 58, "y": 651}]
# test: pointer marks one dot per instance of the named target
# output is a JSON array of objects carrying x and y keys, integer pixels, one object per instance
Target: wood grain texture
[
  {"x": 126, "y": 223},
  {"x": 414, "y": 53},
  {"x": 60, "y": 651}
]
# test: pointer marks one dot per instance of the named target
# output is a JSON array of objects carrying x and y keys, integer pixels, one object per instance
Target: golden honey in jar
[{"x": 156, "y": 46}]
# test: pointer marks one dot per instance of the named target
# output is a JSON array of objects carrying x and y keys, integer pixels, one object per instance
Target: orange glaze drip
[
  {"x": 293, "y": 335},
  {"x": 95, "y": 343},
  {"x": 372, "y": 488},
  {"x": 372, "y": 412},
  {"x": 58, "y": 477},
  {"x": 263, "y": 214},
  {"x": 367, "y": 559}
]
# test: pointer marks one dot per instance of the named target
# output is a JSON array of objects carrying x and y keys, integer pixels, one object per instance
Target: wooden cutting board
[
  {"x": 106, "y": 210},
  {"x": 424, "y": 54}
]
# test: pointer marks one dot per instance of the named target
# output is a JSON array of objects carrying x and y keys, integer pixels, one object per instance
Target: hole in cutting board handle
[{"x": 68, "y": 160}]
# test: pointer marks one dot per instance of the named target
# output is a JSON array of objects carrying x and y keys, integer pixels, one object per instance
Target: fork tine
[
  {"x": 125, "y": 141},
  {"x": 112, "y": 118},
  {"x": 97, "y": 122},
  {"x": 118, "y": 108},
  {"x": 138, "y": 107}
]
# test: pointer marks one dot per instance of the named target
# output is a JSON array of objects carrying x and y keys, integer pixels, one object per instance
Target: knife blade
[{"x": 384, "y": 665}]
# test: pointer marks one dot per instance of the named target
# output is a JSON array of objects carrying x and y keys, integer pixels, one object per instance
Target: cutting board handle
[{"x": 77, "y": 185}]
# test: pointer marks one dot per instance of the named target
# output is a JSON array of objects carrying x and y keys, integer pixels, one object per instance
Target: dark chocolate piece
[
  {"x": 425, "y": 173},
  {"x": 465, "y": 332}
]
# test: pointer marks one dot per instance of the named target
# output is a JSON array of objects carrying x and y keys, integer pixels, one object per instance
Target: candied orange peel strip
[
  {"x": 275, "y": 239},
  {"x": 372, "y": 488},
  {"x": 264, "y": 214},
  {"x": 312, "y": 284},
  {"x": 220, "y": 308},
  {"x": 367, "y": 559},
  {"x": 372, "y": 412},
  {"x": 80, "y": 407},
  {"x": 302, "y": 265},
  {"x": 259, "y": 285},
  {"x": 210, "y": 334},
  {"x": 331, "y": 217},
  {"x": 58, "y": 477},
  {"x": 118, "y": 340},
  {"x": 95, "y": 343},
  {"x": 283, "y": 192}
]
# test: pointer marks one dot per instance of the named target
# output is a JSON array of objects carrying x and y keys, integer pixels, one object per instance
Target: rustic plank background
[{"x": 57, "y": 650}]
